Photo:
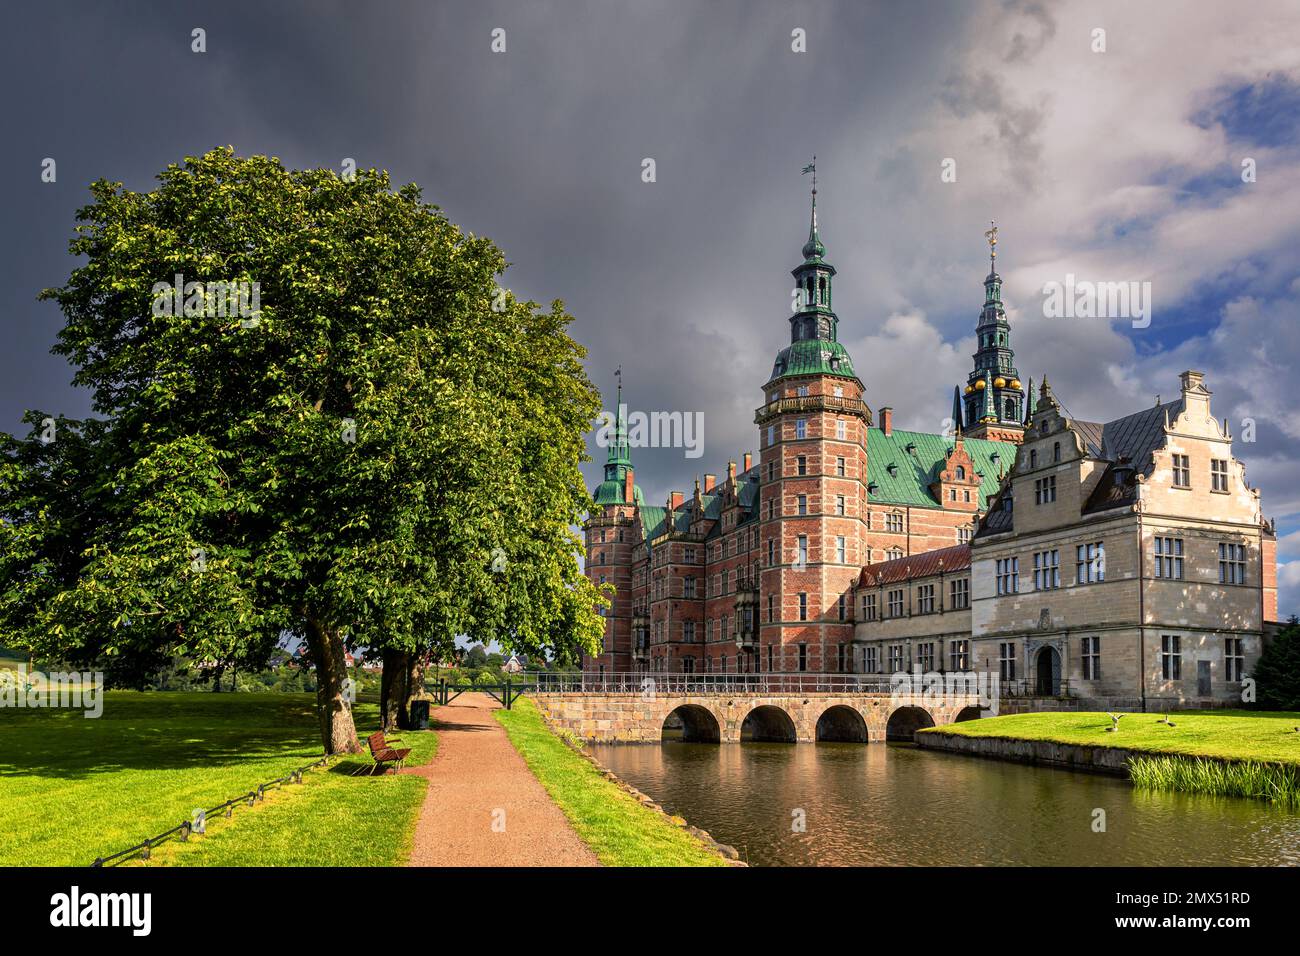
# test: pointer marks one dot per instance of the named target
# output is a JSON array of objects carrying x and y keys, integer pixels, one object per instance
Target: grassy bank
[
  {"x": 619, "y": 830},
  {"x": 1222, "y": 752},
  {"x": 72, "y": 789}
]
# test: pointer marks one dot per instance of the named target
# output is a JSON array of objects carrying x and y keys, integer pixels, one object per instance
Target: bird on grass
[{"x": 1114, "y": 727}]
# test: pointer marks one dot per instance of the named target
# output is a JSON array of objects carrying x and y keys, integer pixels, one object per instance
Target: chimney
[
  {"x": 749, "y": 458},
  {"x": 1196, "y": 397},
  {"x": 675, "y": 500},
  {"x": 709, "y": 482},
  {"x": 628, "y": 487},
  {"x": 731, "y": 472},
  {"x": 1191, "y": 380},
  {"x": 887, "y": 420}
]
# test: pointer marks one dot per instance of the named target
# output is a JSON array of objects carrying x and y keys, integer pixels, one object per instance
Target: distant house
[{"x": 514, "y": 665}]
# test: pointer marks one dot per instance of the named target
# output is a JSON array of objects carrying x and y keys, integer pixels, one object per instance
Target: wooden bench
[{"x": 382, "y": 752}]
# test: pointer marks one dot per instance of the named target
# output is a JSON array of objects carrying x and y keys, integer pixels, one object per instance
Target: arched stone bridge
[{"x": 720, "y": 716}]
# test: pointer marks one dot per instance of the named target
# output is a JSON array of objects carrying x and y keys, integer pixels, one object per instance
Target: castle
[{"x": 1126, "y": 563}]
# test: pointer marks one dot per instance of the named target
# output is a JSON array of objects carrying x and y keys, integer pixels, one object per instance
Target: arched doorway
[
  {"x": 968, "y": 713},
  {"x": 1048, "y": 671},
  {"x": 692, "y": 724},
  {"x": 768, "y": 724},
  {"x": 841, "y": 724},
  {"x": 905, "y": 722}
]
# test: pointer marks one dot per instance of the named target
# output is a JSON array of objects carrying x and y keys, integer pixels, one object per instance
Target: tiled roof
[
  {"x": 813, "y": 357},
  {"x": 1136, "y": 436},
  {"x": 956, "y": 558},
  {"x": 915, "y": 470}
]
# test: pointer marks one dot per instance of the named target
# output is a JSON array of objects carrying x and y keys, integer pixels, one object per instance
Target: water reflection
[{"x": 899, "y": 806}]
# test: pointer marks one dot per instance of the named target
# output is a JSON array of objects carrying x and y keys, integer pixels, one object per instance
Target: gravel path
[{"x": 484, "y": 807}]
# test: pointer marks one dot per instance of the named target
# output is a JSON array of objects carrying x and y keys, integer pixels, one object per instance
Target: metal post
[{"x": 507, "y": 691}]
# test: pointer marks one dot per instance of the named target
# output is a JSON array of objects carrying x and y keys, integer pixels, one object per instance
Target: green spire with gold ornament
[{"x": 618, "y": 461}]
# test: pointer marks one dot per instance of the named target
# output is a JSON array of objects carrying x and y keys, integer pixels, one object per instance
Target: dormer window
[
  {"x": 892, "y": 469},
  {"x": 961, "y": 473}
]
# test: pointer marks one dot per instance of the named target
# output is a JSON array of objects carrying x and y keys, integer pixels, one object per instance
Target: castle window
[
  {"x": 925, "y": 655},
  {"x": 1090, "y": 648},
  {"x": 841, "y": 429},
  {"x": 1007, "y": 661},
  {"x": 925, "y": 600},
  {"x": 1091, "y": 563},
  {"x": 802, "y": 559},
  {"x": 801, "y": 428},
  {"x": 963, "y": 535},
  {"x": 803, "y": 657},
  {"x": 1047, "y": 570},
  {"x": 771, "y": 616},
  {"x": 961, "y": 472},
  {"x": 952, "y": 494},
  {"x": 1011, "y": 408},
  {"x": 1169, "y": 557},
  {"x": 839, "y": 467},
  {"x": 1218, "y": 474},
  {"x": 1008, "y": 575},
  {"x": 869, "y": 660},
  {"x": 801, "y": 465},
  {"x": 1232, "y": 563},
  {"x": 1171, "y": 657},
  {"x": 1045, "y": 490},
  {"x": 869, "y": 608},
  {"x": 958, "y": 655},
  {"x": 894, "y": 522},
  {"x": 893, "y": 554},
  {"x": 841, "y": 550},
  {"x": 839, "y": 391},
  {"x": 771, "y": 552},
  {"x": 896, "y": 603},
  {"x": 1233, "y": 658},
  {"x": 959, "y": 593},
  {"x": 1033, "y": 458},
  {"x": 839, "y": 505},
  {"x": 844, "y": 613},
  {"x": 803, "y": 504},
  {"x": 1182, "y": 471},
  {"x": 803, "y": 607},
  {"x": 898, "y": 658},
  {"x": 802, "y": 391},
  {"x": 1056, "y": 451}
]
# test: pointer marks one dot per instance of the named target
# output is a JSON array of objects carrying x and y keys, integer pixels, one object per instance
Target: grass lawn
[
  {"x": 618, "y": 829},
  {"x": 1226, "y": 734},
  {"x": 72, "y": 789}
]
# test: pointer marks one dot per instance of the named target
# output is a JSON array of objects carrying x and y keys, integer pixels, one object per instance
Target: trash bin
[{"x": 420, "y": 714}]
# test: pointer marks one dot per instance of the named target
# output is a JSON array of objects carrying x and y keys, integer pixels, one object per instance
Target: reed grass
[{"x": 1277, "y": 783}]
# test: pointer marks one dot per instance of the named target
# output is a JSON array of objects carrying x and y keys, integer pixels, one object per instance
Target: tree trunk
[
  {"x": 393, "y": 691},
  {"x": 402, "y": 681},
  {"x": 338, "y": 732},
  {"x": 216, "y": 678}
]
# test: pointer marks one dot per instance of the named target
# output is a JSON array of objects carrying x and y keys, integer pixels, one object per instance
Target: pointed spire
[
  {"x": 956, "y": 409},
  {"x": 1029, "y": 403}
]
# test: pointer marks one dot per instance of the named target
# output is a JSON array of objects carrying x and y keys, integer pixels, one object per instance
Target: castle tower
[
  {"x": 994, "y": 402},
  {"x": 813, "y": 466},
  {"x": 610, "y": 542}
]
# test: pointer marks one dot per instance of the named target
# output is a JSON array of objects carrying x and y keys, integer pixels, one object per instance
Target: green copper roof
[
  {"x": 813, "y": 357},
  {"x": 909, "y": 484},
  {"x": 611, "y": 493}
]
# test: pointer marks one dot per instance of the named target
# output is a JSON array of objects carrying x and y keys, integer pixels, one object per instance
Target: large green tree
[{"x": 380, "y": 449}]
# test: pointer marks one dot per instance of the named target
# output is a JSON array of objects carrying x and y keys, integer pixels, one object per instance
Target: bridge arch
[
  {"x": 769, "y": 724},
  {"x": 972, "y": 712},
  {"x": 906, "y": 721},
  {"x": 840, "y": 723},
  {"x": 691, "y": 723}
]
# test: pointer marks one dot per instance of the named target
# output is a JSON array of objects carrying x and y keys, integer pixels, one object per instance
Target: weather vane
[
  {"x": 812, "y": 168},
  {"x": 992, "y": 237}
]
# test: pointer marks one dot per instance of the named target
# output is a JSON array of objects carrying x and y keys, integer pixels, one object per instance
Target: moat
[{"x": 895, "y": 805}]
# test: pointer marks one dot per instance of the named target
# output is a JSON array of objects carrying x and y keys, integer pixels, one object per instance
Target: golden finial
[{"x": 992, "y": 237}]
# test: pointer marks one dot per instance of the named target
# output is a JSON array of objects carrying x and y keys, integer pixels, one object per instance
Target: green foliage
[
  {"x": 378, "y": 453},
  {"x": 1277, "y": 673}
]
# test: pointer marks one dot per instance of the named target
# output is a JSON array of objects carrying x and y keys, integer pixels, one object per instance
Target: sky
[{"x": 1113, "y": 157}]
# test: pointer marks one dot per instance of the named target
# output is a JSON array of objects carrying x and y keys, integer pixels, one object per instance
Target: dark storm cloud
[{"x": 683, "y": 282}]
